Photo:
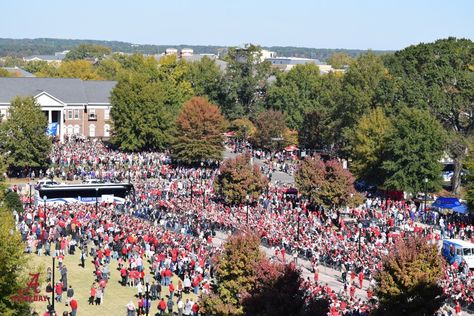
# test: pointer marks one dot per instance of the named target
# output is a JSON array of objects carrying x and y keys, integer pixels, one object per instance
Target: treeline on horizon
[{"x": 48, "y": 46}]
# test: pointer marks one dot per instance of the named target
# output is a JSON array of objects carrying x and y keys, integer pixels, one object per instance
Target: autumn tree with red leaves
[
  {"x": 238, "y": 178},
  {"x": 408, "y": 281},
  {"x": 325, "y": 183},
  {"x": 199, "y": 129}
]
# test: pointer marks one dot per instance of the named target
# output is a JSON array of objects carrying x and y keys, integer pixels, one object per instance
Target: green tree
[
  {"x": 245, "y": 82},
  {"x": 4, "y": 73},
  {"x": 199, "y": 132},
  {"x": 358, "y": 94},
  {"x": 325, "y": 183},
  {"x": 235, "y": 274},
  {"x": 367, "y": 146},
  {"x": 413, "y": 150},
  {"x": 82, "y": 69},
  {"x": 141, "y": 120},
  {"x": 437, "y": 76},
  {"x": 407, "y": 283},
  {"x": 243, "y": 128},
  {"x": 41, "y": 68},
  {"x": 109, "y": 69},
  {"x": 86, "y": 51},
  {"x": 339, "y": 60},
  {"x": 12, "y": 201},
  {"x": 13, "y": 260},
  {"x": 23, "y": 135},
  {"x": 270, "y": 129},
  {"x": 146, "y": 101},
  {"x": 296, "y": 92},
  {"x": 205, "y": 77},
  {"x": 313, "y": 131},
  {"x": 238, "y": 178}
]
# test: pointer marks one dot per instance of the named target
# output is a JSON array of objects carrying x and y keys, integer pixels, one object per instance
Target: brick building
[{"x": 78, "y": 107}]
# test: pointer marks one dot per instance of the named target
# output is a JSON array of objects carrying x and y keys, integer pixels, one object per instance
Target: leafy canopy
[
  {"x": 23, "y": 138},
  {"x": 199, "y": 132}
]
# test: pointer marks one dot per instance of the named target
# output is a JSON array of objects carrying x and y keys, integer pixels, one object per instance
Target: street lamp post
[
  {"x": 247, "y": 198},
  {"x": 96, "y": 199},
  {"x": 29, "y": 184},
  {"x": 147, "y": 294},
  {"x": 425, "y": 180},
  {"x": 298, "y": 210},
  {"x": 360, "y": 232},
  {"x": 53, "y": 284},
  {"x": 191, "y": 179},
  {"x": 44, "y": 200}
]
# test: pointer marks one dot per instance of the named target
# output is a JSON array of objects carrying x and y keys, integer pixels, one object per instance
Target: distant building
[
  {"x": 47, "y": 58},
  {"x": 78, "y": 107},
  {"x": 287, "y": 63},
  {"x": 18, "y": 72},
  {"x": 171, "y": 51},
  {"x": 185, "y": 52},
  {"x": 266, "y": 54}
]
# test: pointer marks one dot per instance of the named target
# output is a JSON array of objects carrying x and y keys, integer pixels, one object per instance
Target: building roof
[
  {"x": 46, "y": 57},
  {"x": 67, "y": 90},
  {"x": 18, "y": 72}
]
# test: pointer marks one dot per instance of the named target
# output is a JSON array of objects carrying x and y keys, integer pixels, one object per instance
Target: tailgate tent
[{"x": 450, "y": 204}]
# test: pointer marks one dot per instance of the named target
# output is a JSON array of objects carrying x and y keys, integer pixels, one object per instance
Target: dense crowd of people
[{"x": 172, "y": 216}]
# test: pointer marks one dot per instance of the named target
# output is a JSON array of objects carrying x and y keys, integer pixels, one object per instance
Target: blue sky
[{"x": 321, "y": 24}]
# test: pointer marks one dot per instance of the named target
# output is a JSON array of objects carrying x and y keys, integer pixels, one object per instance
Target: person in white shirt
[
  {"x": 188, "y": 308},
  {"x": 180, "y": 307}
]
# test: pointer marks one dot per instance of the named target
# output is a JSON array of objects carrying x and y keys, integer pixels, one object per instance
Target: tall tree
[
  {"x": 296, "y": 92},
  {"x": 86, "y": 51},
  {"x": 82, "y": 69},
  {"x": 205, "y": 77},
  {"x": 235, "y": 274},
  {"x": 245, "y": 82},
  {"x": 199, "y": 129},
  {"x": 12, "y": 258},
  {"x": 439, "y": 76},
  {"x": 407, "y": 283},
  {"x": 146, "y": 101},
  {"x": 23, "y": 136},
  {"x": 413, "y": 150},
  {"x": 270, "y": 129},
  {"x": 325, "y": 183},
  {"x": 243, "y": 128},
  {"x": 238, "y": 178},
  {"x": 339, "y": 60},
  {"x": 359, "y": 87},
  {"x": 367, "y": 146}
]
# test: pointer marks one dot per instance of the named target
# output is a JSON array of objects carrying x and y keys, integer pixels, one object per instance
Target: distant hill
[{"x": 47, "y": 46}]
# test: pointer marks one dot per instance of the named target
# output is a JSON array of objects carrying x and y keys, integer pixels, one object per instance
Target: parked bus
[
  {"x": 83, "y": 193},
  {"x": 457, "y": 250}
]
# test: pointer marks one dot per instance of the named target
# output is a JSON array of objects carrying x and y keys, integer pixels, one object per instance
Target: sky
[{"x": 360, "y": 24}]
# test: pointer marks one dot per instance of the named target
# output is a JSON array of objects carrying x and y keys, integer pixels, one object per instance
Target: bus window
[
  {"x": 458, "y": 252},
  {"x": 467, "y": 251}
]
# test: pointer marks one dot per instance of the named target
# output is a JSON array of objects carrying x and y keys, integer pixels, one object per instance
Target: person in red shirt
[
  {"x": 59, "y": 291},
  {"x": 73, "y": 304},
  {"x": 171, "y": 289},
  {"x": 458, "y": 308},
  {"x": 361, "y": 279},
  {"x": 195, "y": 309},
  {"x": 352, "y": 291},
  {"x": 92, "y": 296},
  {"x": 162, "y": 306}
]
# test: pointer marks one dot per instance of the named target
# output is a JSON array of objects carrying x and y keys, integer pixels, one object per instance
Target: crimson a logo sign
[{"x": 31, "y": 293}]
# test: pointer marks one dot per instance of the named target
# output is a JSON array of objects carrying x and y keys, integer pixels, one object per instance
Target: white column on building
[
  {"x": 61, "y": 126},
  {"x": 50, "y": 117}
]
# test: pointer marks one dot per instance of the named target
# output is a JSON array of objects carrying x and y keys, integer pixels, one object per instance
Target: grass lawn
[{"x": 115, "y": 298}]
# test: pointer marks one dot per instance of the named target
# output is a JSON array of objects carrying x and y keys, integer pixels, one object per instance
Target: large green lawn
[{"x": 115, "y": 298}]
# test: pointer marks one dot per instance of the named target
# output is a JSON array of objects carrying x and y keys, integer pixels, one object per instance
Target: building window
[
  {"x": 92, "y": 116},
  {"x": 69, "y": 129},
  {"x": 77, "y": 129},
  {"x": 106, "y": 130},
  {"x": 92, "y": 130},
  {"x": 69, "y": 114},
  {"x": 106, "y": 114},
  {"x": 76, "y": 114}
]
